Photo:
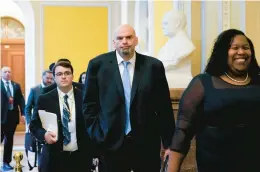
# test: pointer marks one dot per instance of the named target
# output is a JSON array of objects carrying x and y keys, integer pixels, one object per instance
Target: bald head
[
  {"x": 6, "y": 73},
  {"x": 125, "y": 28},
  {"x": 125, "y": 41}
]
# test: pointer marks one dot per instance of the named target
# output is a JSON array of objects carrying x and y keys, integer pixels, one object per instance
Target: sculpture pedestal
[{"x": 179, "y": 77}]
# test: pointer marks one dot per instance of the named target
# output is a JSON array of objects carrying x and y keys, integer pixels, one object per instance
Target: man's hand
[
  {"x": 22, "y": 119},
  {"x": 49, "y": 137}
]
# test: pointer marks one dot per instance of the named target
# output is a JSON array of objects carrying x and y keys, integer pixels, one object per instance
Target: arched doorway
[
  {"x": 12, "y": 51},
  {"x": 12, "y": 48}
]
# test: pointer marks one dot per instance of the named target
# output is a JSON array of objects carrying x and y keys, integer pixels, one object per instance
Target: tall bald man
[
  {"x": 127, "y": 106},
  {"x": 11, "y": 99}
]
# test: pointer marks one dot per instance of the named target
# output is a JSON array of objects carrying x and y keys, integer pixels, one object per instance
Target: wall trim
[
  {"x": 151, "y": 28},
  {"x": 188, "y": 18},
  {"x": 29, "y": 25},
  {"x": 176, "y": 4},
  {"x": 137, "y": 20},
  {"x": 220, "y": 16},
  {"x": 124, "y": 12},
  {"x": 203, "y": 37},
  {"x": 226, "y": 15},
  {"x": 243, "y": 15}
]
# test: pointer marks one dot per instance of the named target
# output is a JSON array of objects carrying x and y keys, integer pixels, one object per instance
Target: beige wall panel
[
  {"x": 196, "y": 36},
  {"x": 211, "y": 24},
  {"x": 253, "y": 25},
  {"x": 38, "y": 61},
  {"x": 235, "y": 14}
]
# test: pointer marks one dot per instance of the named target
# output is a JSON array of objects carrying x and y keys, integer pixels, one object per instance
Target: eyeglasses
[{"x": 67, "y": 73}]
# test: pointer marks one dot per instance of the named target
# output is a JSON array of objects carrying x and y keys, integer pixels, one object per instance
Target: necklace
[{"x": 237, "y": 80}]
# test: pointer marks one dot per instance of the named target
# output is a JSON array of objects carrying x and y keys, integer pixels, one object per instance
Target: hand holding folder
[{"x": 49, "y": 121}]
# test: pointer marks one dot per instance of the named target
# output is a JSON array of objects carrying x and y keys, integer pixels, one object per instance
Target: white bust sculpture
[{"x": 174, "y": 54}]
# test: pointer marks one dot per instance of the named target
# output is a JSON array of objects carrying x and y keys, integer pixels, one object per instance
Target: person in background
[
  {"x": 82, "y": 77},
  {"x": 12, "y": 104},
  {"x": 51, "y": 66},
  {"x": 127, "y": 106},
  {"x": 221, "y": 107},
  {"x": 47, "y": 79}
]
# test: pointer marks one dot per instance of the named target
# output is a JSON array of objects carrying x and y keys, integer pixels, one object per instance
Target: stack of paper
[{"x": 49, "y": 121}]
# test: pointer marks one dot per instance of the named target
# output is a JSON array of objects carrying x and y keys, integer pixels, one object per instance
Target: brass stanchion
[{"x": 18, "y": 156}]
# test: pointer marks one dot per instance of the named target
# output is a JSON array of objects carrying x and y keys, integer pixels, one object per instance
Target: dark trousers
[
  {"x": 130, "y": 157},
  {"x": 7, "y": 135},
  {"x": 71, "y": 161}
]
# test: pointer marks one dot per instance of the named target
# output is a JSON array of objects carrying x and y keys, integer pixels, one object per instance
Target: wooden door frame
[{"x": 12, "y": 41}]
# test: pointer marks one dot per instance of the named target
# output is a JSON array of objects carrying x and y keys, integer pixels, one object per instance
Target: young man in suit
[
  {"x": 127, "y": 106},
  {"x": 54, "y": 85},
  {"x": 11, "y": 101},
  {"x": 70, "y": 151}
]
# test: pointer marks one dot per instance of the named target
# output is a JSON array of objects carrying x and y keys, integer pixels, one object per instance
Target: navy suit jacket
[
  {"x": 18, "y": 102},
  {"x": 151, "y": 111},
  {"x": 32, "y": 101},
  {"x": 50, "y": 103}
]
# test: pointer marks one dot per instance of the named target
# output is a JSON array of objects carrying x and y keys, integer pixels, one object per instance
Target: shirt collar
[
  {"x": 62, "y": 94},
  {"x": 42, "y": 85},
  {"x": 4, "y": 81},
  {"x": 120, "y": 59}
]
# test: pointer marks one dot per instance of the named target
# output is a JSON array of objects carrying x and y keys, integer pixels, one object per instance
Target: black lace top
[{"x": 226, "y": 121}]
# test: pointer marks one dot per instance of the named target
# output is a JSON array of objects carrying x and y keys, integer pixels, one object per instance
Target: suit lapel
[
  {"x": 117, "y": 76},
  {"x": 77, "y": 102},
  {"x": 3, "y": 90},
  {"x": 139, "y": 68},
  {"x": 55, "y": 103},
  {"x": 39, "y": 89},
  {"x": 14, "y": 88}
]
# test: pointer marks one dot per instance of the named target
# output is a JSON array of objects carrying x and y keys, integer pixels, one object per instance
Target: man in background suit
[
  {"x": 47, "y": 79},
  {"x": 54, "y": 85},
  {"x": 70, "y": 151},
  {"x": 11, "y": 100},
  {"x": 127, "y": 106}
]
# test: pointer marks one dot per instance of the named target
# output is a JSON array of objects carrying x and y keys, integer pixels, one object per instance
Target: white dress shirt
[
  {"x": 130, "y": 67},
  {"x": 42, "y": 85},
  {"x": 10, "y": 86},
  {"x": 72, "y": 146}
]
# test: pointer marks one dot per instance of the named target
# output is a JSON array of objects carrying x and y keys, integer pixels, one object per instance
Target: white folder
[{"x": 49, "y": 121}]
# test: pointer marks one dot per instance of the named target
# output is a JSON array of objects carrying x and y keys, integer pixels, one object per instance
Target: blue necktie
[
  {"x": 65, "y": 121},
  {"x": 9, "y": 95},
  {"x": 127, "y": 91}
]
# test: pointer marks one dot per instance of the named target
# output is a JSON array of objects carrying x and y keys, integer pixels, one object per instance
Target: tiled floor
[{"x": 19, "y": 147}]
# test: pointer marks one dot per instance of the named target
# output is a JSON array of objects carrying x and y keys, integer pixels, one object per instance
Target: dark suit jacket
[
  {"x": 151, "y": 111},
  {"x": 18, "y": 101},
  {"x": 54, "y": 85},
  {"x": 50, "y": 103},
  {"x": 32, "y": 101}
]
